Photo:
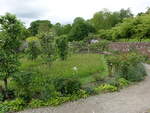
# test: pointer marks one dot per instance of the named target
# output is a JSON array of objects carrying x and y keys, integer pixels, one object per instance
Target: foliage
[
  {"x": 122, "y": 82},
  {"x": 12, "y": 28},
  {"x": 106, "y": 88},
  {"x": 35, "y": 103},
  {"x": 100, "y": 46},
  {"x": 40, "y": 26},
  {"x": 80, "y": 29},
  {"x": 127, "y": 65},
  {"x": 59, "y": 29},
  {"x": 13, "y": 105},
  {"x": 21, "y": 83},
  {"x": 30, "y": 85},
  {"x": 105, "y": 19},
  {"x": 47, "y": 46},
  {"x": 132, "y": 28},
  {"x": 62, "y": 47},
  {"x": 67, "y": 85},
  {"x": 33, "y": 49}
]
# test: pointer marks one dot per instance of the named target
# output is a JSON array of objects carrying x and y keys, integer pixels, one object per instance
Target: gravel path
[{"x": 135, "y": 99}]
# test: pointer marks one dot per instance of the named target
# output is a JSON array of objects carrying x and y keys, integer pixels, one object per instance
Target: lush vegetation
[{"x": 48, "y": 64}]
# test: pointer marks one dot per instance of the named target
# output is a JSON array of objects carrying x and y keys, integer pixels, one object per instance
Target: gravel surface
[{"x": 134, "y": 99}]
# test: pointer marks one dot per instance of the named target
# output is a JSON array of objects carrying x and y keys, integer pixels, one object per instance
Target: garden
[{"x": 51, "y": 68}]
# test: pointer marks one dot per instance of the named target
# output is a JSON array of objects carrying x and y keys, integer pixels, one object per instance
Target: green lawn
[{"x": 86, "y": 64}]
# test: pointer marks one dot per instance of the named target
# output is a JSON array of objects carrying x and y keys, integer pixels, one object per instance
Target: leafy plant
[
  {"x": 62, "y": 47},
  {"x": 106, "y": 88},
  {"x": 14, "y": 105},
  {"x": 67, "y": 85},
  {"x": 33, "y": 49},
  {"x": 122, "y": 82},
  {"x": 35, "y": 103}
]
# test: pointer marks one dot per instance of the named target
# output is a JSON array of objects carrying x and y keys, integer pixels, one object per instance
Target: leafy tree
[
  {"x": 80, "y": 29},
  {"x": 33, "y": 49},
  {"x": 105, "y": 19},
  {"x": 62, "y": 46},
  {"x": 47, "y": 45},
  {"x": 57, "y": 29},
  {"x": 39, "y": 26},
  {"x": 125, "y": 13},
  {"x": 137, "y": 27},
  {"x": 11, "y": 28}
]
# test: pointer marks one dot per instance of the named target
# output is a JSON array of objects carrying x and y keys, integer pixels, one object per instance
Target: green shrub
[
  {"x": 62, "y": 47},
  {"x": 106, "y": 88},
  {"x": 33, "y": 49},
  {"x": 67, "y": 85},
  {"x": 90, "y": 91},
  {"x": 100, "y": 46},
  {"x": 14, "y": 105},
  {"x": 21, "y": 84},
  {"x": 127, "y": 65},
  {"x": 135, "y": 73},
  {"x": 35, "y": 103},
  {"x": 57, "y": 101},
  {"x": 98, "y": 77},
  {"x": 82, "y": 94},
  {"x": 122, "y": 82}
]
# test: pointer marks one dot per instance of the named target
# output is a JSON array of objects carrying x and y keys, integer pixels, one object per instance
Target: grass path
[{"x": 135, "y": 99}]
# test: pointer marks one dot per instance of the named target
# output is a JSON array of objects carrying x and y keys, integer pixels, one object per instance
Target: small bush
[
  {"x": 67, "y": 85},
  {"x": 90, "y": 91},
  {"x": 122, "y": 82},
  {"x": 35, "y": 103},
  {"x": 14, "y": 105},
  {"x": 57, "y": 101},
  {"x": 98, "y": 77},
  {"x": 62, "y": 47},
  {"x": 21, "y": 84},
  {"x": 106, "y": 88},
  {"x": 82, "y": 94}
]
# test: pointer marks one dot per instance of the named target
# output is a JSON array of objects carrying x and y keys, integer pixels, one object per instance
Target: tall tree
[
  {"x": 39, "y": 26},
  {"x": 12, "y": 30},
  {"x": 80, "y": 29}
]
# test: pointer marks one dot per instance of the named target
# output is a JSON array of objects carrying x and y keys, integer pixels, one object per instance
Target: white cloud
[{"x": 65, "y": 11}]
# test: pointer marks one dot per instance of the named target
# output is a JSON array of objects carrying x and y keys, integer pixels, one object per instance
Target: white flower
[{"x": 75, "y": 68}]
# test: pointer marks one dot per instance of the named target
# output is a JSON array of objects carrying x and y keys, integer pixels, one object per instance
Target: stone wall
[{"x": 142, "y": 47}]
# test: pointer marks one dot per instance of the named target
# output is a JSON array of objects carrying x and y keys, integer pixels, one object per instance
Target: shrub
[
  {"x": 106, "y": 88},
  {"x": 100, "y": 46},
  {"x": 57, "y": 101},
  {"x": 90, "y": 91},
  {"x": 35, "y": 103},
  {"x": 127, "y": 65},
  {"x": 21, "y": 84},
  {"x": 67, "y": 85},
  {"x": 14, "y": 105},
  {"x": 82, "y": 94},
  {"x": 33, "y": 49},
  {"x": 98, "y": 77},
  {"x": 122, "y": 82},
  {"x": 135, "y": 73},
  {"x": 62, "y": 47}
]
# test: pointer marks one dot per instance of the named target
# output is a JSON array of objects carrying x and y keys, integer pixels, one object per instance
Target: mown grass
[{"x": 86, "y": 64}]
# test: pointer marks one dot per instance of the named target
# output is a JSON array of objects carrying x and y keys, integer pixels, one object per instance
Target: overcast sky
[{"x": 65, "y": 11}]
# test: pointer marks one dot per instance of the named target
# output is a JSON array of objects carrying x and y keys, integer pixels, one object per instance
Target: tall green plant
[
  {"x": 12, "y": 30},
  {"x": 62, "y": 47}
]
